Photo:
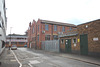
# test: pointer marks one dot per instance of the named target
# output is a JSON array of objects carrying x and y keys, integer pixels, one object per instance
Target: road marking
[
  {"x": 30, "y": 65},
  {"x": 17, "y": 59},
  {"x": 34, "y": 62},
  {"x": 12, "y": 60}
]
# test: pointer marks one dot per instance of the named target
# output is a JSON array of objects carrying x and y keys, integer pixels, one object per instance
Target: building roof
[
  {"x": 73, "y": 34},
  {"x": 97, "y": 20},
  {"x": 16, "y": 36},
  {"x": 57, "y": 23}
]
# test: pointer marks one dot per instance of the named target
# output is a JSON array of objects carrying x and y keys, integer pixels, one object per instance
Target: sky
[{"x": 21, "y": 12}]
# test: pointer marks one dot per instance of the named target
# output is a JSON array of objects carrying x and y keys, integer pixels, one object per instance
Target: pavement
[
  {"x": 8, "y": 59},
  {"x": 86, "y": 59}
]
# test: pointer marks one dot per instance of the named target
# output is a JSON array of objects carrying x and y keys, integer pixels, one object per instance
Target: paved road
[
  {"x": 37, "y": 58},
  {"x": 7, "y": 59}
]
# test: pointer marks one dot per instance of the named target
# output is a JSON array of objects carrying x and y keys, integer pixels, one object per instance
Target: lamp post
[{"x": 10, "y": 38}]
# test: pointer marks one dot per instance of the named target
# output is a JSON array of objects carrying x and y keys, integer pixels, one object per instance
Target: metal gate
[{"x": 52, "y": 45}]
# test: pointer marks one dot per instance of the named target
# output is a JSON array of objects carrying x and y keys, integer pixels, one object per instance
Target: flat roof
[{"x": 16, "y": 36}]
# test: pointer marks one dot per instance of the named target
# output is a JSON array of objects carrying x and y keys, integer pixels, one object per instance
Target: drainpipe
[
  {"x": 36, "y": 37},
  {"x": 52, "y": 32}
]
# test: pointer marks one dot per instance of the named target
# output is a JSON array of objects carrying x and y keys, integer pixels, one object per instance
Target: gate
[{"x": 52, "y": 45}]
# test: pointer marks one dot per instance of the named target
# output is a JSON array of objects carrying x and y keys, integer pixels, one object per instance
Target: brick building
[
  {"x": 32, "y": 34},
  {"x": 19, "y": 40},
  {"x": 45, "y": 30},
  {"x": 86, "y": 39}
]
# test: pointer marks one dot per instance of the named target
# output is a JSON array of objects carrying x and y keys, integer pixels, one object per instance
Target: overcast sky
[{"x": 21, "y": 12}]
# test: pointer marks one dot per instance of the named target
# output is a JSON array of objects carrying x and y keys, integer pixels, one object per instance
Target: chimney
[{"x": 30, "y": 24}]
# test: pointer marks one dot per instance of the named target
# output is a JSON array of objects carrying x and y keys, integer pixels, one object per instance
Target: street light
[{"x": 10, "y": 38}]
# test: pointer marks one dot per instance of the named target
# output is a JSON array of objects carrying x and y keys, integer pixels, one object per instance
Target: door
[
  {"x": 84, "y": 44},
  {"x": 68, "y": 45}
]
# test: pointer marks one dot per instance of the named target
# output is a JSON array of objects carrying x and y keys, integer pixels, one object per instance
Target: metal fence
[{"x": 52, "y": 45}]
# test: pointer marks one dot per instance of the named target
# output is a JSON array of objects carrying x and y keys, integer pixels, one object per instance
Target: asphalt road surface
[{"x": 38, "y": 58}]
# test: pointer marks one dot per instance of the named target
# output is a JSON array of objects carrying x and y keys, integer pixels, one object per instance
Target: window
[
  {"x": 55, "y": 27},
  {"x": 29, "y": 28},
  {"x": 55, "y": 37},
  {"x": 3, "y": 44},
  {"x": 46, "y": 27},
  {"x": 70, "y": 28},
  {"x": 38, "y": 37},
  {"x": 63, "y": 29},
  {"x": 33, "y": 29},
  {"x": 21, "y": 43},
  {"x": 47, "y": 37},
  {"x": 14, "y": 43},
  {"x": 38, "y": 27},
  {"x": 62, "y": 41},
  {"x": 34, "y": 39},
  {"x": 7, "y": 43},
  {"x": 75, "y": 40}
]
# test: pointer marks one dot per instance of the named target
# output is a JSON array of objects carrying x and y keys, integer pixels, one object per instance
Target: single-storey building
[{"x": 84, "y": 40}]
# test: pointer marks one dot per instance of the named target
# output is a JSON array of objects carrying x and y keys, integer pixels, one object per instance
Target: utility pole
[{"x": 10, "y": 38}]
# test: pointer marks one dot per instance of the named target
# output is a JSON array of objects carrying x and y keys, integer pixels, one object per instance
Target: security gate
[
  {"x": 68, "y": 45},
  {"x": 84, "y": 44}
]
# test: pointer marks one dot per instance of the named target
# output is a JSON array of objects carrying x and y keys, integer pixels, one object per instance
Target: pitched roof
[
  {"x": 93, "y": 21},
  {"x": 57, "y": 23}
]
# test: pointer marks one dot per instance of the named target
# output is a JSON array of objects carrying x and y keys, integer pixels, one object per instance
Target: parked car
[
  {"x": 25, "y": 45},
  {"x": 13, "y": 47}
]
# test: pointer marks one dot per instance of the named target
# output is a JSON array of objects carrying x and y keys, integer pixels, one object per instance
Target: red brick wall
[
  {"x": 31, "y": 35},
  {"x": 93, "y": 31},
  {"x": 73, "y": 48},
  {"x": 50, "y": 32}
]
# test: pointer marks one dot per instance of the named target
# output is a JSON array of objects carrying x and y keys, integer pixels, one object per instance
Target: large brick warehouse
[{"x": 43, "y": 30}]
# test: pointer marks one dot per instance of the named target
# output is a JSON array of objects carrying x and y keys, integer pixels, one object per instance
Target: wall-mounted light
[{"x": 86, "y": 26}]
